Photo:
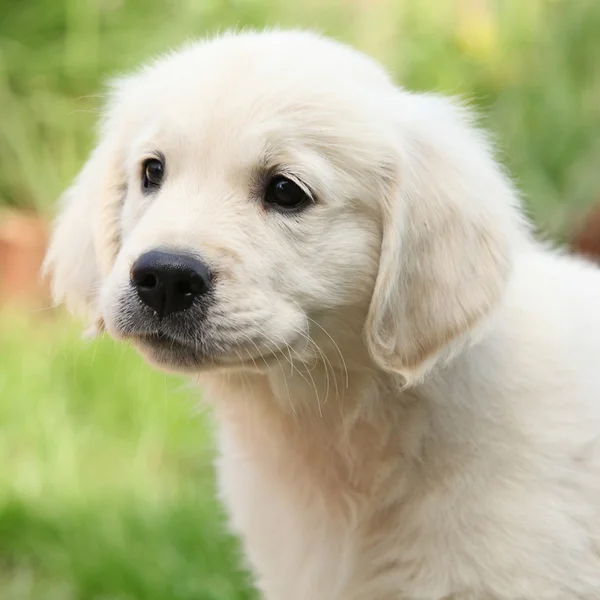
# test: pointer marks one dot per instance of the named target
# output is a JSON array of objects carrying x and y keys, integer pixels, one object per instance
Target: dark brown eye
[
  {"x": 153, "y": 171},
  {"x": 284, "y": 194}
]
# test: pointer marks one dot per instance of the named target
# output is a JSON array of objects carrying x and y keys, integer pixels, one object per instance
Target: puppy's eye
[
  {"x": 284, "y": 194},
  {"x": 153, "y": 171}
]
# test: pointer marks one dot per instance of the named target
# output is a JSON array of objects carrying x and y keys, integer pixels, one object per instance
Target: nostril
[{"x": 147, "y": 281}]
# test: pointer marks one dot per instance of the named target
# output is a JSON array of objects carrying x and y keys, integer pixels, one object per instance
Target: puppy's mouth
[
  {"x": 173, "y": 354},
  {"x": 161, "y": 340},
  {"x": 192, "y": 343},
  {"x": 169, "y": 352}
]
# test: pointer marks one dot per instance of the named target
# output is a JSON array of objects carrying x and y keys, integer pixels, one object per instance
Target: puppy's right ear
[{"x": 85, "y": 237}]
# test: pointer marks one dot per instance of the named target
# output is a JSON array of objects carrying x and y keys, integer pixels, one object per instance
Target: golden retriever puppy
[{"x": 407, "y": 384}]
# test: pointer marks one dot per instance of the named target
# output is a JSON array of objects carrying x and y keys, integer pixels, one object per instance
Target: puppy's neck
[
  {"x": 321, "y": 408},
  {"x": 327, "y": 428},
  {"x": 360, "y": 416}
]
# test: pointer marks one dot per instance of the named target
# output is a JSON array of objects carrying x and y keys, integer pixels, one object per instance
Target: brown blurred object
[
  {"x": 586, "y": 240},
  {"x": 23, "y": 240}
]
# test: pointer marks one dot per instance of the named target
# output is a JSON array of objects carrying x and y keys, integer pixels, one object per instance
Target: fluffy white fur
[{"x": 417, "y": 415}]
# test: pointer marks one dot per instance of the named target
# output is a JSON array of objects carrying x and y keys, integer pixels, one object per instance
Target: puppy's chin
[{"x": 170, "y": 355}]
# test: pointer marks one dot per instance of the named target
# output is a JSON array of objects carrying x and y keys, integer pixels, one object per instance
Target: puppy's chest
[{"x": 317, "y": 521}]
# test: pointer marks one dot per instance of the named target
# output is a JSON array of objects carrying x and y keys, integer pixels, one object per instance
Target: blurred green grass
[{"x": 106, "y": 488}]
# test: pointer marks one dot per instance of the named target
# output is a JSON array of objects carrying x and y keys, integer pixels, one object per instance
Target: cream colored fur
[{"x": 408, "y": 391}]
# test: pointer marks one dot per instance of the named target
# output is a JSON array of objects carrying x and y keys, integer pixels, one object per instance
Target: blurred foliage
[
  {"x": 106, "y": 487},
  {"x": 532, "y": 67}
]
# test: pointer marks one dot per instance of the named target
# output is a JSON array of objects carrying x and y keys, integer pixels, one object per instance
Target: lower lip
[
  {"x": 159, "y": 341},
  {"x": 166, "y": 351}
]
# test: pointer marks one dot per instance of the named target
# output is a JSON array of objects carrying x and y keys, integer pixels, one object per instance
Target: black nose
[{"x": 168, "y": 282}]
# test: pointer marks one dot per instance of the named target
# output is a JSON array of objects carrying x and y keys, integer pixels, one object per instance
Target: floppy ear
[
  {"x": 450, "y": 228},
  {"x": 85, "y": 236}
]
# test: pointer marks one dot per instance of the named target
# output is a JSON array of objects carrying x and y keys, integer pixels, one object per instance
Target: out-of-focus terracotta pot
[
  {"x": 23, "y": 240},
  {"x": 586, "y": 240}
]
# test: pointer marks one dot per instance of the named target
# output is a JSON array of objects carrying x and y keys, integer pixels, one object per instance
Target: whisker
[
  {"x": 278, "y": 361},
  {"x": 336, "y": 347}
]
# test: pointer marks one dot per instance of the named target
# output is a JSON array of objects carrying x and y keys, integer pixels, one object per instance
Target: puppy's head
[{"x": 270, "y": 194}]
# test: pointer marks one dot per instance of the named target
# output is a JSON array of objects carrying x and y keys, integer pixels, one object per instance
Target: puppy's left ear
[
  {"x": 85, "y": 236},
  {"x": 450, "y": 228}
]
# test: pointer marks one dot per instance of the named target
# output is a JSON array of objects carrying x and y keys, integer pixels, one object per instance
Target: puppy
[{"x": 406, "y": 383}]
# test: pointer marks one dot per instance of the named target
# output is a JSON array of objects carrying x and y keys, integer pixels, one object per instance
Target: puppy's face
[
  {"x": 248, "y": 201},
  {"x": 247, "y": 209}
]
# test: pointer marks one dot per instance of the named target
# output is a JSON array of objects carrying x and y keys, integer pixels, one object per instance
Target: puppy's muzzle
[{"x": 169, "y": 282}]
